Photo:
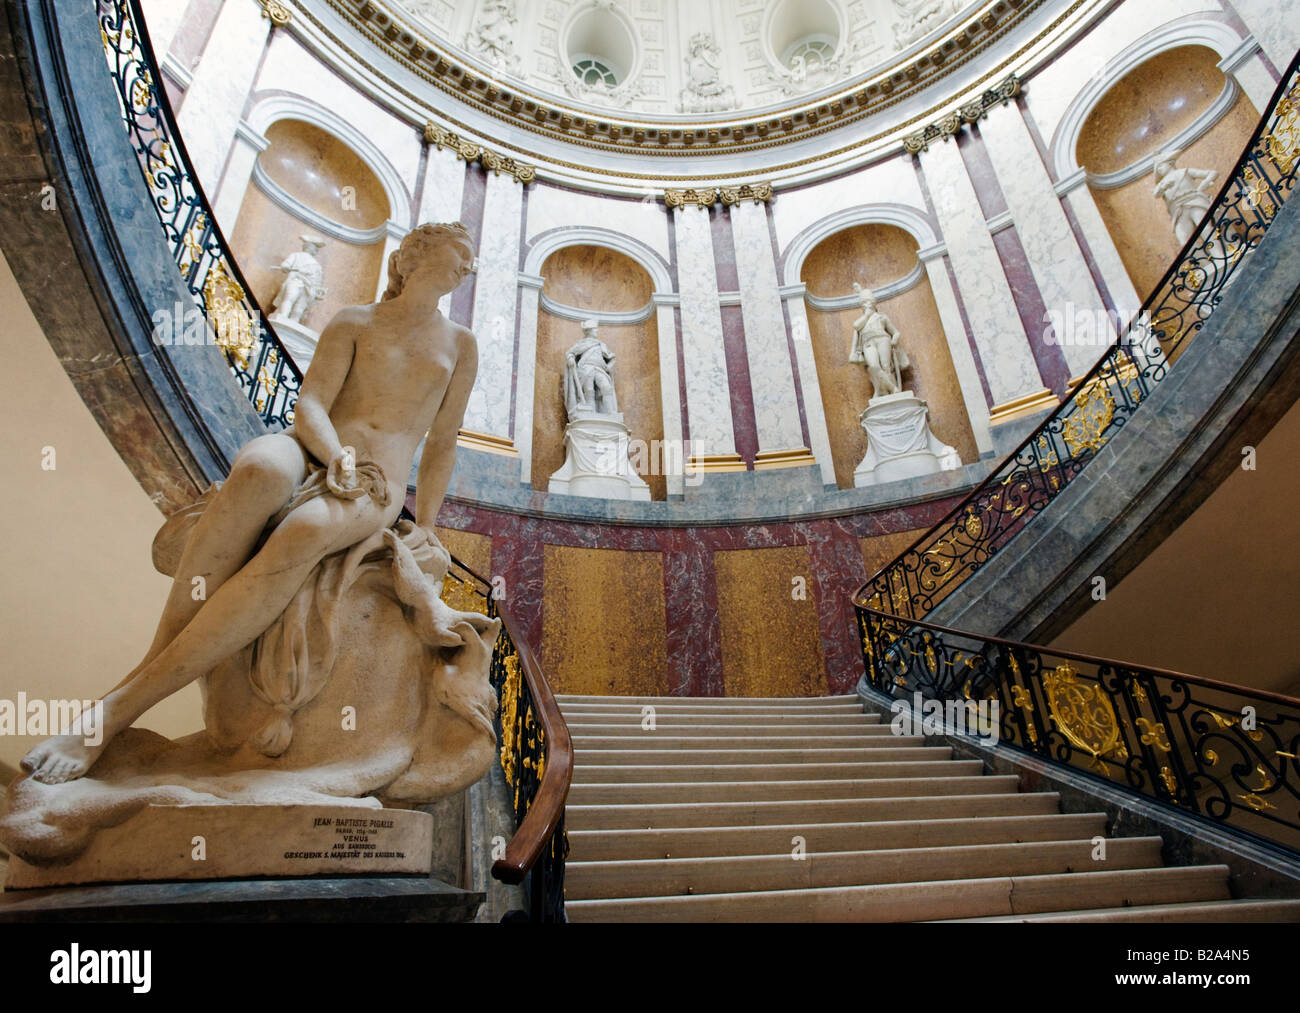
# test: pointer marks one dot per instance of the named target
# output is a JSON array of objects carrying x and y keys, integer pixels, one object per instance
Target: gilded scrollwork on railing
[{"x": 261, "y": 366}]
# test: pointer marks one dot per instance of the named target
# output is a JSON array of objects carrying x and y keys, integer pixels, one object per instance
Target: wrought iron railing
[
  {"x": 1051, "y": 457},
  {"x": 263, "y": 367},
  {"x": 1224, "y": 753},
  {"x": 536, "y": 755}
]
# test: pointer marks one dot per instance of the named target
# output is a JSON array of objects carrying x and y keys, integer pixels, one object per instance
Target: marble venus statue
[
  {"x": 313, "y": 602},
  {"x": 875, "y": 345}
]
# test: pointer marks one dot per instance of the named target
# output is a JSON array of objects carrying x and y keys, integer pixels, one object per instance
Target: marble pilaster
[
  {"x": 669, "y": 384},
  {"x": 708, "y": 393},
  {"x": 1057, "y": 263},
  {"x": 215, "y": 100},
  {"x": 776, "y": 409},
  {"x": 495, "y": 300},
  {"x": 1074, "y": 191},
  {"x": 248, "y": 144},
  {"x": 1003, "y": 345},
  {"x": 809, "y": 384},
  {"x": 530, "y": 298},
  {"x": 444, "y": 190}
]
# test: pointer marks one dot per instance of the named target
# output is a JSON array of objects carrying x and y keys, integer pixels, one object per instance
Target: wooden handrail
[{"x": 547, "y": 809}]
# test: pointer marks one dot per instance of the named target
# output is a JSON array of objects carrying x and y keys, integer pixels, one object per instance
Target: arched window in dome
[
  {"x": 593, "y": 73},
  {"x": 811, "y": 53}
]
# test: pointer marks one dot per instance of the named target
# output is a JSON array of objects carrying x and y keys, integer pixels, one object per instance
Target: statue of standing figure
[
  {"x": 303, "y": 282},
  {"x": 875, "y": 344},
  {"x": 589, "y": 375},
  {"x": 1184, "y": 191}
]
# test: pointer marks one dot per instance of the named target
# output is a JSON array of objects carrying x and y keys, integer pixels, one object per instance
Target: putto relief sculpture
[
  {"x": 335, "y": 678},
  {"x": 897, "y": 422},
  {"x": 304, "y": 282},
  {"x": 704, "y": 91},
  {"x": 596, "y": 441},
  {"x": 493, "y": 36},
  {"x": 918, "y": 18}
]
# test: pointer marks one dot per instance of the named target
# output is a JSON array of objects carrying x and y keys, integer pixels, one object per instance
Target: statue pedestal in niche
[
  {"x": 596, "y": 461},
  {"x": 340, "y": 692},
  {"x": 899, "y": 442},
  {"x": 298, "y": 340}
]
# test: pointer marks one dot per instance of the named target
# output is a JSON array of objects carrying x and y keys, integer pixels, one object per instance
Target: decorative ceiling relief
[
  {"x": 492, "y": 39},
  {"x": 705, "y": 91},
  {"x": 918, "y": 18}
]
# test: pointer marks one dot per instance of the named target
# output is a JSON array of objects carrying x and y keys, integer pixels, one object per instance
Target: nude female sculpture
[{"x": 382, "y": 377}]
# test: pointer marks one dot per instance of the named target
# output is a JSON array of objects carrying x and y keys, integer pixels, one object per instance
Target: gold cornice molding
[
  {"x": 704, "y": 198},
  {"x": 801, "y": 120},
  {"x": 466, "y": 149},
  {"x": 500, "y": 163},
  {"x": 759, "y": 193},
  {"x": 277, "y": 13},
  {"x": 421, "y": 100},
  {"x": 972, "y": 112}
]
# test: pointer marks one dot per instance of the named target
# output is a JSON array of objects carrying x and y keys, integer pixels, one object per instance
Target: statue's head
[
  {"x": 311, "y": 243},
  {"x": 439, "y": 255},
  {"x": 1165, "y": 160},
  {"x": 589, "y": 328},
  {"x": 865, "y": 296},
  {"x": 700, "y": 41}
]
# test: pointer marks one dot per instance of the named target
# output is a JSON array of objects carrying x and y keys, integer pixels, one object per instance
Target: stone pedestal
[
  {"x": 299, "y": 341},
  {"x": 899, "y": 442},
  {"x": 596, "y": 460}
]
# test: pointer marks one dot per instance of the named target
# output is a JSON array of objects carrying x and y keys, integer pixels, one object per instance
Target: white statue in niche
[
  {"x": 875, "y": 345},
  {"x": 1184, "y": 192},
  {"x": 303, "y": 282},
  {"x": 921, "y": 17},
  {"x": 493, "y": 36},
  {"x": 589, "y": 375},
  {"x": 704, "y": 91},
  {"x": 596, "y": 442},
  {"x": 900, "y": 443},
  {"x": 296, "y": 599}
]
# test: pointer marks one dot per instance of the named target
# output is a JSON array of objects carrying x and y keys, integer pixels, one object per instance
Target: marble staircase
[{"x": 692, "y": 809}]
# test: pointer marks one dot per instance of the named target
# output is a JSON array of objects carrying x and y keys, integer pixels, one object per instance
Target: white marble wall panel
[
  {"x": 530, "y": 297},
  {"x": 290, "y": 67},
  {"x": 670, "y": 389},
  {"x": 1255, "y": 81},
  {"x": 708, "y": 393},
  {"x": 239, "y": 171},
  {"x": 963, "y": 360},
  {"x": 1056, "y": 85},
  {"x": 216, "y": 97},
  {"x": 1058, "y": 264},
  {"x": 1276, "y": 24},
  {"x": 1003, "y": 347},
  {"x": 163, "y": 19},
  {"x": 1104, "y": 254},
  {"x": 552, "y": 207},
  {"x": 495, "y": 298},
  {"x": 889, "y": 182},
  {"x": 771, "y": 377},
  {"x": 810, "y": 384},
  {"x": 444, "y": 193}
]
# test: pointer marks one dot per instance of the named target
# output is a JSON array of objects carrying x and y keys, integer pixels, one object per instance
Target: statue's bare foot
[{"x": 61, "y": 758}]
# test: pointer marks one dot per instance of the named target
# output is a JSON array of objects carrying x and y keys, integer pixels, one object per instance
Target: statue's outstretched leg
[{"x": 234, "y": 616}]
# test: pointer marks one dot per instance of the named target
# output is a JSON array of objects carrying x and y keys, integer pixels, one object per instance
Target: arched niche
[
  {"x": 878, "y": 256},
  {"x": 595, "y": 281},
  {"x": 308, "y": 181},
  {"x": 1178, "y": 97}
]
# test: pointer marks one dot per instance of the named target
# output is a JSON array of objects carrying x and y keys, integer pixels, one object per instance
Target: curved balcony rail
[
  {"x": 262, "y": 366},
  {"x": 536, "y": 753},
  {"x": 1226, "y": 754},
  {"x": 938, "y": 562}
]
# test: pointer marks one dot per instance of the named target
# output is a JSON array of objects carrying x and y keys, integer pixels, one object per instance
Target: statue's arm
[
  {"x": 325, "y": 376},
  {"x": 440, "y": 445}
]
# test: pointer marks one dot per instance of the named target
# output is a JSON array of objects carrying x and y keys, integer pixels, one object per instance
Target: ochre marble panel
[
  {"x": 603, "y": 622},
  {"x": 475, "y": 551},
  {"x": 880, "y": 550},
  {"x": 601, "y": 280},
  {"x": 315, "y": 166},
  {"x": 1139, "y": 221},
  {"x": 1148, "y": 106},
  {"x": 265, "y": 234},
  {"x": 771, "y": 645},
  {"x": 875, "y": 255}
]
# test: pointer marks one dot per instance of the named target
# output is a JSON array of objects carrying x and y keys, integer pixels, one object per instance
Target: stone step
[
  {"x": 668, "y": 705},
  {"x": 564, "y": 699},
  {"x": 591, "y": 774},
  {"x": 868, "y": 737},
  {"x": 835, "y": 734},
  {"x": 909, "y": 748},
  {"x": 783, "y": 871},
  {"x": 901, "y": 902},
  {"x": 866, "y": 810},
  {"x": 963, "y": 778},
  {"x": 1214, "y": 911},
  {"x": 707, "y": 842},
  {"x": 663, "y": 719}
]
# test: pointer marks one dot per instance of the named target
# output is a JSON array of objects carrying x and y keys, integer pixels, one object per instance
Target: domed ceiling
[{"x": 681, "y": 57}]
